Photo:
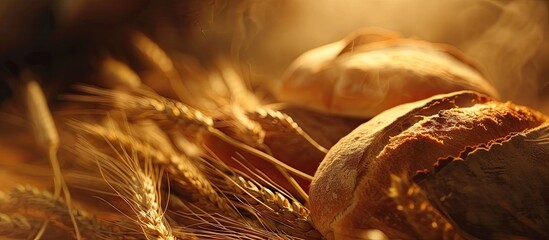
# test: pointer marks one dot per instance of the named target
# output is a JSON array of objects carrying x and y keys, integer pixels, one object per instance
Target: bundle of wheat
[{"x": 151, "y": 142}]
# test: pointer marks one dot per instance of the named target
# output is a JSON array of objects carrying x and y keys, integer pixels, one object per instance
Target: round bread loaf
[
  {"x": 350, "y": 187},
  {"x": 371, "y": 71}
]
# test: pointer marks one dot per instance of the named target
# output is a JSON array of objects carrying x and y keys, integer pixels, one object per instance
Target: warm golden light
[{"x": 274, "y": 119}]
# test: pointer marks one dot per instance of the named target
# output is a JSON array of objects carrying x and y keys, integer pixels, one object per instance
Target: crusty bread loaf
[
  {"x": 371, "y": 71},
  {"x": 349, "y": 190}
]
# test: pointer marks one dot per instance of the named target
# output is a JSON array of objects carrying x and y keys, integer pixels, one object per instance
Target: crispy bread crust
[{"x": 350, "y": 186}]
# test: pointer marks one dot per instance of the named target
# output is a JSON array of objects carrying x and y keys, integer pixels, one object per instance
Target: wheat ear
[
  {"x": 241, "y": 100},
  {"x": 46, "y": 205},
  {"x": 282, "y": 212},
  {"x": 237, "y": 102},
  {"x": 152, "y": 53},
  {"x": 118, "y": 74},
  {"x": 203, "y": 224},
  {"x": 276, "y": 121},
  {"x": 137, "y": 182},
  {"x": 277, "y": 216},
  {"x": 146, "y": 107},
  {"x": 239, "y": 94},
  {"x": 154, "y": 56},
  {"x": 247, "y": 131},
  {"x": 44, "y": 129},
  {"x": 181, "y": 169},
  {"x": 288, "y": 215},
  {"x": 159, "y": 108}
]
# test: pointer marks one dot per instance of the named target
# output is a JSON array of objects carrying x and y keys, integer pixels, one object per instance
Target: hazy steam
[{"x": 511, "y": 49}]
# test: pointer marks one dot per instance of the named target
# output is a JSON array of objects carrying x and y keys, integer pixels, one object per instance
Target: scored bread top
[
  {"x": 350, "y": 187},
  {"x": 369, "y": 72}
]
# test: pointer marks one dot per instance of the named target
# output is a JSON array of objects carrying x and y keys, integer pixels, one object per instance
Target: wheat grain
[
  {"x": 277, "y": 212},
  {"x": 184, "y": 117},
  {"x": 17, "y": 226},
  {"x": 276, "y": 205},
  {"x": 149, "y": 214}
]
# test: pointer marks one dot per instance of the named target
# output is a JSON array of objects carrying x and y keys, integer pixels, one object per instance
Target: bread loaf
[
  {"x": 371, "y": 71},
  {"x": 421, "y": 139}
]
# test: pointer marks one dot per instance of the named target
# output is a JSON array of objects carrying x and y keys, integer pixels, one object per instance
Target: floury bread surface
[
  {"x": 350, "y": 188},
  {"x": 372, "y": 70}
]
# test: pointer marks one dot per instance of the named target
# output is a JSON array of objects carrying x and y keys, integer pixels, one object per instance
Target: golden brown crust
[
  {"x": 367, "y": 73},
  {"x": 349, "y": 189},
  {"x": 332, "y": 189}
]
